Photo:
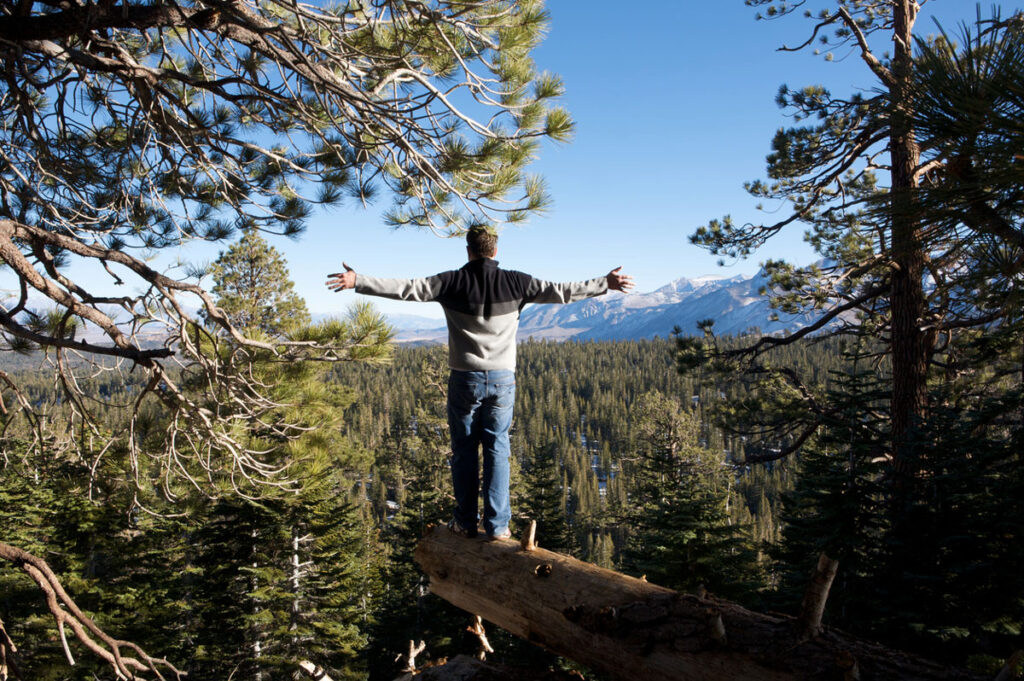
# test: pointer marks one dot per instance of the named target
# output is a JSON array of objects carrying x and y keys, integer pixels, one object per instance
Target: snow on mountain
[{"x": 734, "y": 303}]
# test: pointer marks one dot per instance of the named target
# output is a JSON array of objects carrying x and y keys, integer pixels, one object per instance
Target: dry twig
[{"x": 66, "y": 613}]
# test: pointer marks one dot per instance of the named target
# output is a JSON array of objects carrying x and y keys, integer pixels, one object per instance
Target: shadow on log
[{"x": 635, "y": 631}]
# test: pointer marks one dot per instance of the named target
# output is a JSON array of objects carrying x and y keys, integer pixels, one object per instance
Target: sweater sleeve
[
  {"x": 540, "y": 291},
  {"x": 423, "y": 289}
]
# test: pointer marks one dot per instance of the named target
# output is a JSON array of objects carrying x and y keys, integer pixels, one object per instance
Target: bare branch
[
  {"x": 883, "y": 73},
  {"x": 8, "y": 655},
  {"x": 66, "y": 612},
  {"x": 814, "y": 34}
]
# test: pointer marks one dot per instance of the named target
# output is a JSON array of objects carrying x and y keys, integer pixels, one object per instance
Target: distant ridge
[{"x": 734, "y": 303}]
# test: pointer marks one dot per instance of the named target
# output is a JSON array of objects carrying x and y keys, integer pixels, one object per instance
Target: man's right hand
[
  {"x": 619, "y": 282},
  {"x": 339, "y": 281}
]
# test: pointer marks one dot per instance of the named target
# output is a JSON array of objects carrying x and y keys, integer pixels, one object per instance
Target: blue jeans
[{"x": 480, "y": 413}]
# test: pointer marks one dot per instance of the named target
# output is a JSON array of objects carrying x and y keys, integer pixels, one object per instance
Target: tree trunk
[
  {"x": 632, "y": 630},
  {"x": 910, "y": 346}
]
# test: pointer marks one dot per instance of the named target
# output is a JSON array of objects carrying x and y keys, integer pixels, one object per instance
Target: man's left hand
[{"x": 618, "y": 281}]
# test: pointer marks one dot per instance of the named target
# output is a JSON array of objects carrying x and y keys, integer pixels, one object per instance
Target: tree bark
[
  {"x": 910, "y": 341},
  {"x": 632, "y": 630}
]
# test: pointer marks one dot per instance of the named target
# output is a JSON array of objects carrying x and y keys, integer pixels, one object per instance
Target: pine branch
[{"x": 814, "y": 34}]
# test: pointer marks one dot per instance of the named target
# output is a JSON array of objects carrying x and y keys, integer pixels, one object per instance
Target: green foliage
[
  {"x": 283, "y": 580},
  {"x": 411, "y": 472},
  {"x": 232, "y": 137},
  {"x": 570, "y": 443},
  {"x": 620, "y": 459},
  {"x": 680, "y": 535},
  {"x": 572, "y": 434},
  {"x": 299, "y": 567},
  {"x": 248, "y": 118},
  {"x": 837, "y": 506},
  {"x": 120, "y": 567},
  {"x": 544, "y": 500},
  {"x": 943, "y": 580},
  {"x": 252, "y": 286}
]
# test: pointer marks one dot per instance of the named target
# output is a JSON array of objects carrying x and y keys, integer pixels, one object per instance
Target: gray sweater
[{"x": 482, "y": 304}]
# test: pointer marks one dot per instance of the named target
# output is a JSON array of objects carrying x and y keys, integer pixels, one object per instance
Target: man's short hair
[{"x": 482, "y": 241}]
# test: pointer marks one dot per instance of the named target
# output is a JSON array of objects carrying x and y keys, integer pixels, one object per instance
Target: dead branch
[
  {"x": 66, "y": 613},
  {"x": 315, "y": 671},
  {"x": 410, "y": 658},
  {"x": 528, "y": 542},
  {"x": 477, "y": 629}
]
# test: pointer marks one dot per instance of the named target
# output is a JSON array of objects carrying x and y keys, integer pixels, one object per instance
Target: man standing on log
[{"x": 482, "y": 304}]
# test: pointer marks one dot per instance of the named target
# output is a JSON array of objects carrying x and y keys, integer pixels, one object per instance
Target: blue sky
[
  {"x": 674, "y": 105},
  {"x": 674, "y": 110}
]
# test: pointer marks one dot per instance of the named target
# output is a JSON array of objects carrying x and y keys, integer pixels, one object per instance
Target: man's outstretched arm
[
  {"x": 424, "y": 289},
  {"x": 540, "y": 291}
]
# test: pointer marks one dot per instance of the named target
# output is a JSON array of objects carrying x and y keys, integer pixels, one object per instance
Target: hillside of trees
[{"x": 621, "y": 460}]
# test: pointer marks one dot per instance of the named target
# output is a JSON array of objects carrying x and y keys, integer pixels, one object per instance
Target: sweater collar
[{"x": 481, "y": 263}]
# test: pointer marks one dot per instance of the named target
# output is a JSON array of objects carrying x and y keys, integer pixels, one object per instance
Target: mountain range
[{"x": 734, "y": 303}]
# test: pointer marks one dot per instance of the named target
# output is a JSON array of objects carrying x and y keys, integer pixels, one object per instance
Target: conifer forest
[{"x": 199, "y": 479}]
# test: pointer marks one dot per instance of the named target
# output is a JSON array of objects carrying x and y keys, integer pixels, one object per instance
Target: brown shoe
[{"x": 455, "y": 527}]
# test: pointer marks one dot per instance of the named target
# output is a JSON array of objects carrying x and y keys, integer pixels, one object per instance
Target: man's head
[{"x": 481, "y": 242}]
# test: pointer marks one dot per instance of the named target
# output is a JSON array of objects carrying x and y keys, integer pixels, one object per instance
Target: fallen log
[{"x": 635, "y": 631}]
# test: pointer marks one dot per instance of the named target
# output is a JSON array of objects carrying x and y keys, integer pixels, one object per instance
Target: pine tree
[
  {"x": 544, "y": 500},
  {"x": 252, "y": 286},
  {"x": 286, "y": 571},
  {"x": 877, "y": 241},
  {"x": 836, "y": 506},
  {"x": 966, "y": 514},
  {"x": 923, "y": 269},
  {"x": 115, "y": 561},
  {"x": 679, "y": 532}
]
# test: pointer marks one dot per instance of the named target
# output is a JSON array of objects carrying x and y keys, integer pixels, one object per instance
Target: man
[{"x": 482, "y": 303}]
